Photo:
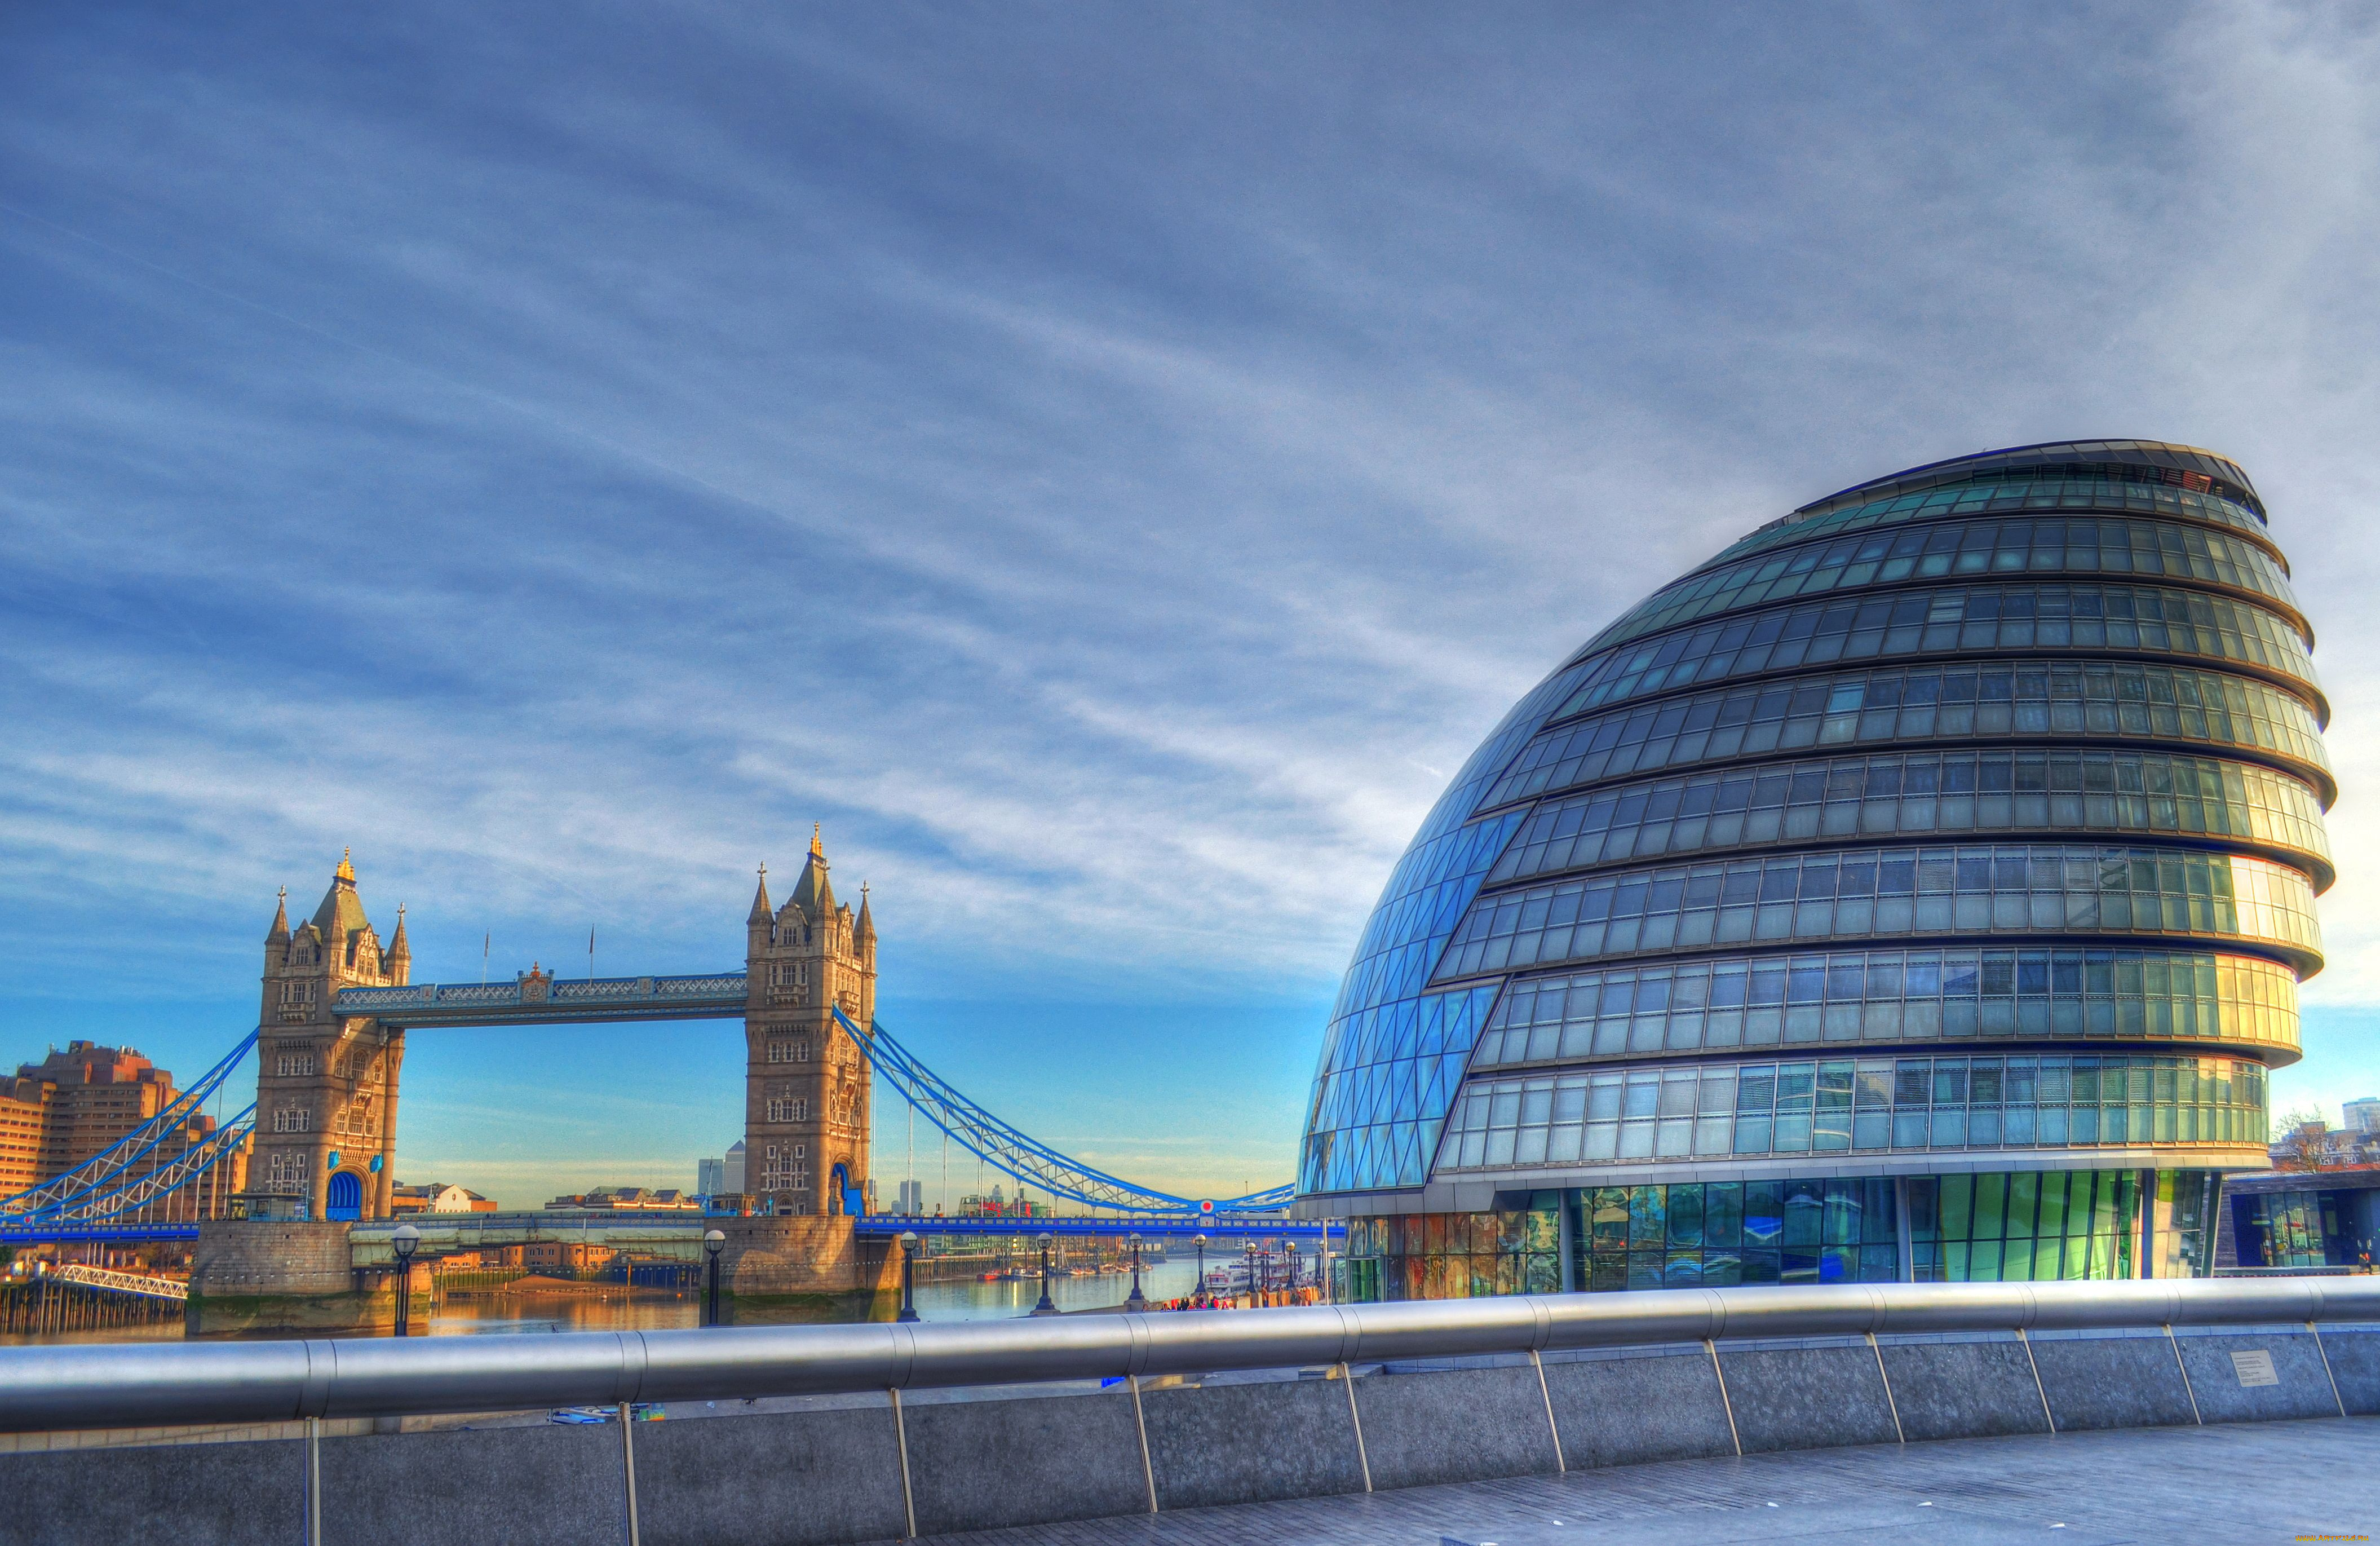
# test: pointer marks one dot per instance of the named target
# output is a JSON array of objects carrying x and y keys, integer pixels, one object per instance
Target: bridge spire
[
  {"x": 863, "y": 933},
  {"x": 762, "y": 912},
  {"x": 279, "y": 932},
  {"x": 818, "y": 843}
]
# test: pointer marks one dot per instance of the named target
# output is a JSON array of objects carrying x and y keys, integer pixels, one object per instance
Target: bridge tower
[
  {"x": 326, "y": 1086},
  {"x": 806, "y": 1093}
]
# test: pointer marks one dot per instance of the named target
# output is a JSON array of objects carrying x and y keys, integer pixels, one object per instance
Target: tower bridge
[{"x": 337, "y": 1004}]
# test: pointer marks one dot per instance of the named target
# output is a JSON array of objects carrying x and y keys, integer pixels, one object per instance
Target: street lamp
[
  {"x": 1200, "y": 1241},
  {"x": 908, "y": 1275},
  {"x": 1133, "y": 1301},
  {"x": 405, "y": 1242},
  {"x": 713, "y": 1242},
  {"x": 1045, "y": 1307},
  {"x": 1251, "y": 1248}
]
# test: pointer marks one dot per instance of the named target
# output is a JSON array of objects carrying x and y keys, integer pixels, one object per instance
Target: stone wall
[
  {"x": 861, "y": 1469},
  {"x": 774, "y": 1271},
  {"x": 252, "y": 1276}
]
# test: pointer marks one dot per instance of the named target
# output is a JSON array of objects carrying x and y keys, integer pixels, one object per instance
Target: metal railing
[{"x": 115, "y": 1386}]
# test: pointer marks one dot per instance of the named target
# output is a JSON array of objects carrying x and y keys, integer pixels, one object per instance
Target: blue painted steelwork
[
  {"x": 1013, "y": 1227},
  {"x": 65, "y": 1192},
  {"x": 80, "y": 1195},
  {"x": 126, "y": 1234},
  {"x": 1010, "y": 1149}
]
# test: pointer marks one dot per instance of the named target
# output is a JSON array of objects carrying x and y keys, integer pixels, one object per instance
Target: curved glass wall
[
  {"x": 1996, "y": 1227},
  {"x": 1923, "y": 795},
  {"x": 1959, "y": 549},
  {"x": 1891, "y": 996},
  {"x": 1866, "y": 893},
  {"x": 1759, "y": 1111},
  {"x": 1993, "y": 497},
  {"x": 2020, "y": 699},
  {"x": 1750, "y": 889},
  {"x": 1954, "y": 620}
]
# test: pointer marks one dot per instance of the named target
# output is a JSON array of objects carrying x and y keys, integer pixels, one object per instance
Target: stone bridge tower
[
  {"x": 806, "y": 1082},
  {"x": 326, "y": 1086}
]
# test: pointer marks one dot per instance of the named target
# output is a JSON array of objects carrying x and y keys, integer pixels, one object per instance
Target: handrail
[{"x": 85, "y": 1385}]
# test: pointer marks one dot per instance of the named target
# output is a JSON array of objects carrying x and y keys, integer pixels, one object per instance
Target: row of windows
[
  {"x": 789, "y": 1111},
  {"x": 293, "y": 1119},
  {"x": 1919, "y": 794},
  {"x": 1891, "y": 996},
  {"x": 1750, "y": 1110},
  {"x": 1921, "y": 703},
  {"x": 1861, "y": 893},
  {"x": 1957, "y": 549},
  {"x": 2017, "y": 1226},
  {"x": 797, "y": 1050},
  {"x": 293, "y": 1065},
  {"x": 1993, "y": 495},
  {"x": 1952, "y": 619}
]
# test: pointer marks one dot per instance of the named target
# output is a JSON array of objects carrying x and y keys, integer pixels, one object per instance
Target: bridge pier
[
  {"x": 280, "y": 1275},
  {"x": 797, "y": 1268}
]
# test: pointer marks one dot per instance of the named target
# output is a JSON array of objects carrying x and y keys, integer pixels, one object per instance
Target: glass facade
[
  {"x": 1891, "y": 996},
  {"x": 2081, "y": 545},
  {"x": 1976, "y": 810},
  {"x": 1995, "y": 1226},
  {"x": 2031, "y": 700},
  {"x": 1922, "y": 795},
  {"x": 1837, "y": 1105}
]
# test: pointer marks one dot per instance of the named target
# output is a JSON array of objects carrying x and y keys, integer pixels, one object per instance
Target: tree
[{"x": 2298, "y": 1144}]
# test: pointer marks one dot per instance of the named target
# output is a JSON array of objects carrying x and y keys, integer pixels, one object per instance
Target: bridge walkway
[{"x": 2239, "y": 1484}]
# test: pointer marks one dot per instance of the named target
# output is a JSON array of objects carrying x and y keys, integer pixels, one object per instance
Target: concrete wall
[{"x": 835, "y": 1475}]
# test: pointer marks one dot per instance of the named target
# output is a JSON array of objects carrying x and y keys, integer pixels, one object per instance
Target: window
[
  {"x": 795, "y": 1051},
  {"x": 285, "y": 1173},
  {"x": 297, "y": 1063},
  {"x": 789, "y": 1111},
  {"x": 292, "y": 1119},
  {"x": 296, "y": 993}
]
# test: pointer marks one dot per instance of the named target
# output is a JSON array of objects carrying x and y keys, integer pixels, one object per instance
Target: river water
[{"x": 595, "y": 1307}]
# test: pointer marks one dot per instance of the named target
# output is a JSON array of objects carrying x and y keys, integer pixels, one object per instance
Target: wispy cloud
[{"x": 1110, "y": 474}]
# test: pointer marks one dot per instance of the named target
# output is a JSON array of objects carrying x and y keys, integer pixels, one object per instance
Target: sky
[{"x": 1105, "y": 465}]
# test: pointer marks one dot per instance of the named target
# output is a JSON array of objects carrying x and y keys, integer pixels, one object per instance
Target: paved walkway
[{"x": 2244, "y": 1483}]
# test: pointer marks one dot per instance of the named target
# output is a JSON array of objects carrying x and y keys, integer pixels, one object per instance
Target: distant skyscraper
[
  {"x": 2362, "y": 1117},
  {"x": 734, "y": 1176},
  {"x": 913, "y": 1199},
  {"x": 709, "y": 1178}
]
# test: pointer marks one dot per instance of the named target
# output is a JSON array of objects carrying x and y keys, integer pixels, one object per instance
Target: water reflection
[{"x": 460, "y": 1313}]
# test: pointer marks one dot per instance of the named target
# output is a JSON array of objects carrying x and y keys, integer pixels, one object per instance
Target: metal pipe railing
[{"x": 125, "y": 1385}]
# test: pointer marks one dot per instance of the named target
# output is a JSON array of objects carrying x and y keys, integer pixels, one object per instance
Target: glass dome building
[{"x": 1919, "y": 889}]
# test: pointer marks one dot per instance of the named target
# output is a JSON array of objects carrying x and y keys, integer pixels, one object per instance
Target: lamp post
[
  {"x": 1133, "y": 1301},
  {"x": 1251, "y": 1248},
  {"x": 1200, "y": 1241},
  {"x": 405, "y": 1242},
  {"x": 1045, "y": 1307},
  {"x": 713, "y": 1242},
  {"x": 908, "y": 1275}
]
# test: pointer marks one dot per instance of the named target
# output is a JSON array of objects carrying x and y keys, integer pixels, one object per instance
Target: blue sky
[{"x": 1107, "y": 466}]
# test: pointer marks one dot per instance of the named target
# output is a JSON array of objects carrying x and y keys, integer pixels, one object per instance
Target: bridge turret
[
  {"x": 806, "y": 1083},
  {"x": 400, "y": 954},
  {"x": 326, "y": 1084},
  {"x": 276, "y": 939}
]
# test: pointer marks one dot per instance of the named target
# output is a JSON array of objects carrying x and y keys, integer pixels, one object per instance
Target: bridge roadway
[
  {"x": 471, "y": 1231},
  {"x": 441, "y": 1232}
]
